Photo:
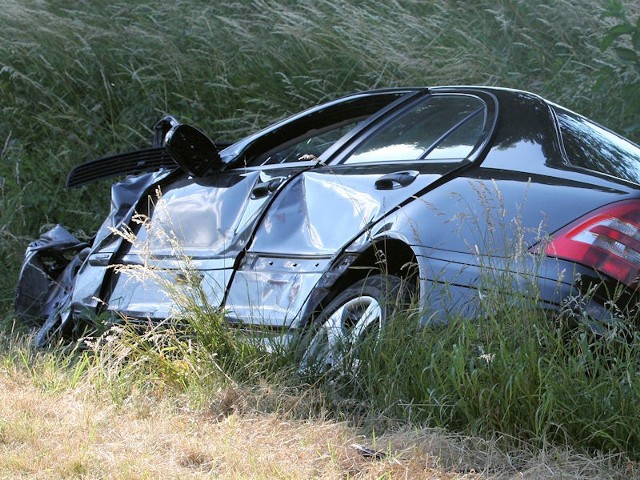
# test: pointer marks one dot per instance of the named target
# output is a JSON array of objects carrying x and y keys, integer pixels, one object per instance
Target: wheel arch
[
  {"x": 387, "y": 255},
  {"x": 384, "y": 255}
]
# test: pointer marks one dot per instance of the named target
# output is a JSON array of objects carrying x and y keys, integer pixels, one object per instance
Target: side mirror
[{"x": 192, "y": 150}]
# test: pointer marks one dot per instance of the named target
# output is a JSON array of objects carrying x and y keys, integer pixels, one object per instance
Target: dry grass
[
  {"x": 78, "y": 433},
  {"x": 73, "y": 434}
]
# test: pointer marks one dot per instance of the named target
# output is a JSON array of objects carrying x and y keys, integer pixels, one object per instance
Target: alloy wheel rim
[{"x": 346, "y": 327}]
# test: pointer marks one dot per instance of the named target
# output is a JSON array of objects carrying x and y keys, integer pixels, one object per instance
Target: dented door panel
[
  {"x": 310, "y": 221},
  {"x": 164, "y": 289},
  {"x": 271, "y": 290},
  {"x": 200, "y": 225}
]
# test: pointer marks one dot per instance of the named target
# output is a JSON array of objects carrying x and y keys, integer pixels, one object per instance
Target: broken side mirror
[
  {"x": 192, "y": 150},
  {"x": 161, "y": 129}
]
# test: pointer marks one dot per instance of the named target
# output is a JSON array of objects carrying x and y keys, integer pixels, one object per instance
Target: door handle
[
  {"x": 395, "y": 180},
  {"x": 262, "y": 189}
]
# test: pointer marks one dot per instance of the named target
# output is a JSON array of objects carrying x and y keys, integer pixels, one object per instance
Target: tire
[{"x": 354, "y": 315}]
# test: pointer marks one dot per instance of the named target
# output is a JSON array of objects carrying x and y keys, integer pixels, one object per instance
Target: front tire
[{"x": 351, "y": 318}]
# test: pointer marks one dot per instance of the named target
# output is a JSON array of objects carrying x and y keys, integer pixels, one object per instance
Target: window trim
[{"x": 491, "y": 119}]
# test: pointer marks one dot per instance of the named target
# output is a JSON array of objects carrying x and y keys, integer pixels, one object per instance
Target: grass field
[
  {"x": 61, "y": 418},
  {"x": 81, "y": 80}
]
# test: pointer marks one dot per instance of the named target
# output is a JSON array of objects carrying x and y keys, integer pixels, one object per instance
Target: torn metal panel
[
  {"x": 272, "y": 290},
  {"x": 200, "y": 224},
  {"x": 125, "y": 196},
  {"x": 45, "y": 259}
]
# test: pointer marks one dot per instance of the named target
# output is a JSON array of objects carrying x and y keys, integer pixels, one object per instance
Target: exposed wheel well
[{"x": 386, "y": 256}]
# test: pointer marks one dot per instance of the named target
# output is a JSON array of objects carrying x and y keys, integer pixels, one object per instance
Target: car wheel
[{"x": 356, "y": 314}]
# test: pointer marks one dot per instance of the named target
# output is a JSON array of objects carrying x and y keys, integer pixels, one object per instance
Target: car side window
[
  {"x": 442, "y": 127},
  {"x": 591, "y": 146}
]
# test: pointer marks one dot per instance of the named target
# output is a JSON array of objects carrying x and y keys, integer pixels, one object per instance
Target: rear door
[{"x": 363, "y": 178}]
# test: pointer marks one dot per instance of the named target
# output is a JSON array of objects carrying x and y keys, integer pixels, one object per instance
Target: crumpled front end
[
  {"x": 61, "y": 274},
  {"x": 46, "y": 280}
]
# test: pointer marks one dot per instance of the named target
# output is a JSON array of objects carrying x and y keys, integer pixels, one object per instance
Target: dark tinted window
[
  {"x": 441, "y": 127},
  {"x": 590, "y": 146}
]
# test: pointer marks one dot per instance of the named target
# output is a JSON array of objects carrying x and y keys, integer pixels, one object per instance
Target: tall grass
[
  {"x": 514, "y": 373},
  {"x": 80, "y": 80}
]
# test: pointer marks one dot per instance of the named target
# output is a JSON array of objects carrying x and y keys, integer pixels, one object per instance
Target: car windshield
[
  {"x": 439, "y": 128},
  {"x": 310, "y": 133}
]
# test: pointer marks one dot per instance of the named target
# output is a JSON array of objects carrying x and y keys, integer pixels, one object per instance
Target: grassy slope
[
  {"x": 58, "y": 421},
  {"x": 78, "y": 81}
]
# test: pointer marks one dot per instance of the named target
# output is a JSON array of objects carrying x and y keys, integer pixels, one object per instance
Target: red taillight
[{"x": 607, "y": 240}]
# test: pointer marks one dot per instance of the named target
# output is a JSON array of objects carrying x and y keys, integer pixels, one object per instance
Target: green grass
[
  {"x": 79, "y": 81},
  {"x": 515, "y": 373}
]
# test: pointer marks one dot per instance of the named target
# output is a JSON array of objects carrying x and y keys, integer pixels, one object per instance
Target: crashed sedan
[{"x": 314, "y": 220}]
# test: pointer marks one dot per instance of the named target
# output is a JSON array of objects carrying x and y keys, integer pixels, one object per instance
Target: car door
[
  {"x": 358, "y": 181},
  {"x": 194, "y": 230}
]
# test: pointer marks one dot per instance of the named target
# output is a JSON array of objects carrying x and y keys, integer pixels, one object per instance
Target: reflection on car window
[
  {"x": 441, "y": 127},
  {"x": 307, "y": 147},
  {"x": 590, "y": 146},
  {"x": 460, "y": 142}
]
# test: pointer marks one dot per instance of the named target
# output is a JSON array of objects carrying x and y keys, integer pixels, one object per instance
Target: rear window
[
  {"x": 591, "y": 146},
  {"x": 439, "y": 128}
]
